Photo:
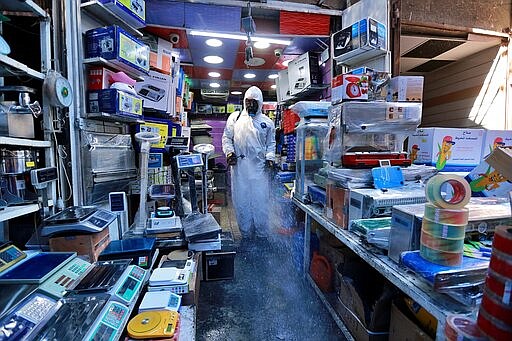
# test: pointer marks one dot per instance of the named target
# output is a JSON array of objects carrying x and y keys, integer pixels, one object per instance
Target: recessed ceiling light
[
  {"x": 239, "y": 37},
  {"x": 249, "y": 75},
  {"x": 213, "y": 59},
  {"x": 261, "y": 44},
  {"x": 273, "y": 86},
  {"x": 215, "y": 85},
  {"x": 285, "y": 63},
  {"x": 236, "y": 92},
  {"x": 214, "y": 74},
  {"x": 214, "y": 42},
  {"x": 273, "y": 76}
]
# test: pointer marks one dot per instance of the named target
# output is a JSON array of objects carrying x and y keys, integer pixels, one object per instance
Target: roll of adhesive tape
[
  {"x": 503, "y": 239},
  {"x": 496, "y": 309},
  {"x": 499, "y": 286},
  {"x": 442, "y": 244},
  {"x": 446, "y": 216},
  {"x": 493, "y": 328},
  {"x": 501, "y": 264},
  {"x": 461, "y": 191},
  {"x": 440, "y": 257},
  {"x": 443, "y": 230},
  {"x": 462, "y": 328}
]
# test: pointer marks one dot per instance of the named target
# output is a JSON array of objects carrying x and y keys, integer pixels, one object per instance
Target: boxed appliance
[
  {"x": 362, "y": 40},
  {"x": 118, "y": 47},
  {"x": 114, "y": 102},
  {"x": 155, "y": 90},
  {"x": 406, "y": 89},
  {"x": 488, "y": 182},
  {"x": 448, "y": 149},
  {"x": 283, "y": 86},
  {"x": 349, "y": 87},
  {"x": 495, "y": 138},
  {"x": 99, "y": 78},
  {"x": 160, "y": 53},
  {"x": 303, "y": 72},
  {"x": 337, "y": 205},
  {"x": 165, "y": 128},
  {"x": 131, "y": 11}
]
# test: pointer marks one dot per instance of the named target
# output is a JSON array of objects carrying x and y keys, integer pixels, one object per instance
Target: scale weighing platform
[
  {"x": 86, "y": 219},
  {"x": 26, "y": 316},
  {"x": 139, "y": 250},
  {"x": 153, "y": 324},
  {"x": 36, "y": 268},
  {"x": 64, "y": 278}
]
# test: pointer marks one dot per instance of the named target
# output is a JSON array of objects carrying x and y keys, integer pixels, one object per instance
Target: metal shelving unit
[
  {"x": 113, "y": 118},
  {"x": 11, "y": 67},
  {"x": 437, "y": 304},
  {"x": 103, "y": 62},
  {"x": 23, "y": 6},
  {"x": 13, "y": 141},
  {"x": 100, "y": 12},
  {"x": 17, "y": 211}
]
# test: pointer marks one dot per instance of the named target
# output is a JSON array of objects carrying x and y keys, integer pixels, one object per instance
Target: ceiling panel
[
  {"x": 432, "y": 48},
  {"x": 408, "y": 43}
]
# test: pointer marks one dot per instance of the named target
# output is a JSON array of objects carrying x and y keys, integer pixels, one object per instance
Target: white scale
[
  {"x": 160, "y": 300},
  {"x": 171, "y": 279}
]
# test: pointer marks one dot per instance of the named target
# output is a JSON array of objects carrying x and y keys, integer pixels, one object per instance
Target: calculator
[{"x": 10, "y": 255}]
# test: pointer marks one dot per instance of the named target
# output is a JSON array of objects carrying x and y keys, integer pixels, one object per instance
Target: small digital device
[
  {"x": 177, "y": 142},
  {"x": 153, "y": 324},
  {"x": 10, "y": 255},
  {"x": 160, "y": 300},
  {"x": 189, "y": 161},
  {"x": 78, "y": 219},
  {"x": 42, "y": 176},
  {"x": 129, "y": 286},
  {"x": 62, "y": 280},
  {"x": 110, "y": 325},
  {"x": 152, "y": 93}
]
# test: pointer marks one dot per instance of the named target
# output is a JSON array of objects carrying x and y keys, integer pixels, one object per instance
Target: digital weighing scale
[
  {"x": 75, "y": 317},
  {"x": 102, "y": 276},
  {"x": 37, "y": 268},
  {"x": 110, "y": 324},
  {"x": 139, "y": 250},
  {"x": 12, "y": 294},
  {"x": 189, "y": 160},
  {"x": 64, "y": 278},
  {"x": 160, "y": 300},
  {"x": 86, "y": 219},
  {"x": 129, "y": 285},
  {"x": 10, "y": 255},
  {"x": 153, "y": 324},
  {"x": 26, "y": 316},
  {"x": 177, "y": 142}
]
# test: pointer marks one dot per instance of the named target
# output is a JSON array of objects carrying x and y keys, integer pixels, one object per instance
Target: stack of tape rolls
[
  {"x": 462, "y": 328},
  {"x": 444, "y": 222},
  {"x": 495, "y": 314}
]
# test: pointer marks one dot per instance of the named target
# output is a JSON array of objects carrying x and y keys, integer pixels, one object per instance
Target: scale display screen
[
  {"x": 131, "y": 284},
  {"x": 111, "y": 322},
  {"x": 64, "y": 279},
  {"x": 38, "y": 268},
  {"x": 178, "y": 142},
  {"x": 188, "y": 161}
]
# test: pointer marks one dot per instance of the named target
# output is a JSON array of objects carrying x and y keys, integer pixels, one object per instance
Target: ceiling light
[
  {"x": 261, "y": 44},
  {"x": 214, "y": 42},
  {"x": 215, "y": 85},
  {"x": 213, "y": 59},
  {"x": 285, "y": 63},
  {"x": 239, "y": 37},
  {"x": 236, "y": 92},
  {"x": 214, "y": 74},
  {"x": 249, "y": 75},
  {"x": 273, "y": 86},
  {"x": 273, "y": 76}
]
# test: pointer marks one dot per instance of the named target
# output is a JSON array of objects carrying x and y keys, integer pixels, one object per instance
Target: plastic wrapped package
[
  {"x": 375, "y": 230},
  {"x": 104, "y": 152},
  {"x": 333, "y": 146},
  {"x": 351, "y": 178},
  {"x": 381, "y": 117},
  {"x": 373, "y": 142},
  {"x": 311, "y": 109}
]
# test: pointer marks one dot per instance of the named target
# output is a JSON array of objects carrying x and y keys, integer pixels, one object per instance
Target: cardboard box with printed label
[
  {"x": 303, "y": 72},
  {"x": 115, "y": 102},
  {"x": 406, "y": 89},
  {"x": 99, "y": 78},
  {"x": 160, "y": 53},
  {"x": 494, "y": 139},
  {"x": 155, "y": 90},
  {"x": 337, "y": 205},
  {"x": 484, "y": 180},
  {"x": 448, "y": 149},
  {"x": 131, "y": 11},
  {"x": 402, "y": 328},
  {"x": 348, "y": 87}
]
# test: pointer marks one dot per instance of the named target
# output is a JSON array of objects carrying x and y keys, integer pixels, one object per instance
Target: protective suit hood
[{"x": 254, "y": 93}]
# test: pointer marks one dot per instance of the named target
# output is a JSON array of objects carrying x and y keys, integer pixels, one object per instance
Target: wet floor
[{"x": 268, "y": 299}]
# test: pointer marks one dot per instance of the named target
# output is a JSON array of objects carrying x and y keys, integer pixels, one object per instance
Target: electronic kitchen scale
[
  {"x": 111, "y": 323},
  {"x": 153, "y": 324},
  {"x": 139, "y": 250},
  {"x": 36, "y": 268},
  {"x": 27, "y": 315},
  {"x": 87, "y": 219},
  {"x": 10, "y": 255},
  {"x": 64, "y": 278},
  {"x": 160, "y": 300},
  {"x": 102, "y": 276},
  {"x": 75, "y": 317}
]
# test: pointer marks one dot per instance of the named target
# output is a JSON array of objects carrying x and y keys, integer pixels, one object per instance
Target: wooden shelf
[
  {"x": 13, "y": 141},
  {"x": 100, "y": 12},
  {"x": 17, "y": 211}
]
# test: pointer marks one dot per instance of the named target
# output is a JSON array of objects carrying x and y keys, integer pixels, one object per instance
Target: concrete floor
[{"x": 268, "y": 299}]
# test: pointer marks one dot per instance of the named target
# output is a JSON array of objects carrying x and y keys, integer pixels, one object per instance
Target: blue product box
[
  {"x": 118, "y": 47},
  {"x": 132, "y": 12},
  {"x": 114, "y": 101}
]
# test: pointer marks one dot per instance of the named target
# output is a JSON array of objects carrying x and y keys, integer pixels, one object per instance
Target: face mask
[{"x": 251, "y": 105}]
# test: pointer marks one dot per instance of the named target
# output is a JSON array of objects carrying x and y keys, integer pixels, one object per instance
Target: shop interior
[{"x": 379, "y": 163}]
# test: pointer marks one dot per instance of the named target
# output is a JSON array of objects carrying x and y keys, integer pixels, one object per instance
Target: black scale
[{"x": 87, "y": 219}]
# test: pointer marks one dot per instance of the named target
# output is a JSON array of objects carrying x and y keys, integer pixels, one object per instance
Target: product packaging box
[
  {"x": 131, "y": 11},
  {"x": 362, "y": 40},
  {"x": 348, "y": 87},
  {"x": 488, "y": 182},
  {"x": 99, "y": 78},
  {"x": 283, "y": 86},
  {"x": 163, "y": 127},
  {"x": 88, "y": 245},
  {"x": 303, "y": 72},
  {"x": 406, "y": 89},
  {"x": 119, "y": 47},
  {"x": 448, "y": 149},
  {"x": 115, "y": 102},
  {"x": 494, "y": 139},
  {"x": 155, "y": 90},
  {"x": 337, "y": 205},
  {"x": 402, "y": 328},
  {"x": 160, "y": 53}
]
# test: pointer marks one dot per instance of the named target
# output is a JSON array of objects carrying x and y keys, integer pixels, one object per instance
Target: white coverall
[{"x": 252, "y": 139}]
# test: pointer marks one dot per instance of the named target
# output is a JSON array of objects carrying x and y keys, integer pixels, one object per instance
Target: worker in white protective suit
[{"x": 249, "y": 144}]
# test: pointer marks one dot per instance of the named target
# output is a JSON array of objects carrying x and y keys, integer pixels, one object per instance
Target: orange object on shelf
[{"x": 321, "y": 272}]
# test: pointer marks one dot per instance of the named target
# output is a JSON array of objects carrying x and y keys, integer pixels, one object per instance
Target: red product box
[{"x": 99, "y": 78}]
